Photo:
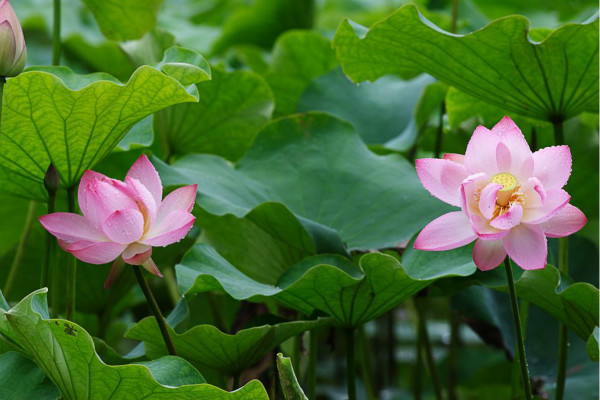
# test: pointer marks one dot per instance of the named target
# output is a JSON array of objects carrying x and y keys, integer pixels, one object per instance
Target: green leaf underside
[
  {"x": 44, "y": 121},
  {"x": 380, "y": 110},
  {"x": 289, "y": 383},
  {"x": 552, "y": 80},
  {"x": 208, "y": 346},
  {"x": 262, "y": 244},
  {"x": 124, "y": 19},
  {"x": 318, "y": 167},
  {"x": 65, "y": 352},
  {"x": 32, "y": 383},
  {"x": 327, "y": 283},
  {"x": 233, "y": 107},
  {"x": 576, "y": 305}
]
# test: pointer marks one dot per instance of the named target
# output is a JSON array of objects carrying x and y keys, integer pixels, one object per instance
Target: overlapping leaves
[
  {"x": 65, "y": 353},
  {"x": 552, "y": 80},
  {"x": 73, "y": 121},
  {"x": 318, "y": 167}
]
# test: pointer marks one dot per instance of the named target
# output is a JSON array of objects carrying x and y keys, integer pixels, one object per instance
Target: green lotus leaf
[
  {"x": 328, "y": 283},
  {"x": 233, "y": 107},
  {"x": 551, "y": 80},
  {"x": 263, "y": 21},
  {"x": 298, "y": 58},
  {"x": 207, "y": 346},
  {"x": 32, "y": 383},
  {"x": 72, "y": 121},
  {"x": 289, "y": 383},
  {"x": 65, "y": 353},
  {"x": 124, "y": 19},
  {"x": 317, "y": 166}
]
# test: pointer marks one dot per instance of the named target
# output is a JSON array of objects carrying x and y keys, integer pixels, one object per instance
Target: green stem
[
  {"x": 418, "y": 377},
  {"x": 435, "y": 377},
  {"x": 440, "y": 132},
  {"x": 452, "y": 368},
  {"x": 350, "y": 364},
  {"x": 2, "y": 82},
  {"x": 236, "y": 381},
  {"x": 50, "y": 244},
  {"x": 563, "y": 333},
  {"x": 518, "y": 330},
  {"x": 56, "y": 44},
  {"x": 16, "y": 264},
  {"x": 563, "y": 266},
  {"x": 454, "y": 16},
  {"x": 71, "y": 266},
  {"x": 366, "y": 366},
  {"x": 312, "y": 365},
  {"x": 559, "y": 135},
  {"x": 160, "y": 320}
]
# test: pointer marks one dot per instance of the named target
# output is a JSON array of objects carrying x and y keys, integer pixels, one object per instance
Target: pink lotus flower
[
  {"x": 510, "y": 198},
  {"x": 13, "y": 53},
  {"x": 123, "y": 218}
]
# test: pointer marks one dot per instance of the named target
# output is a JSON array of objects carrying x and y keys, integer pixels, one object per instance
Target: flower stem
[
  {"x": 50, "y": 244},
  {"x": 312, "y": 365},
  {"x": 56, "y": 44},
  {"x": 16, "y": 264},
  {"x": 518, "y": 330},
  {"x": 563, "y": 266},
  {"x": 426, "y": 346},
  {"x": 366, "y": 366},
  {"x": 418, "y": 376},
  {"x": 452, "y": 367},
  {"x": 350, "y": 364},
  {"x": 160, "y": 320},
  {"x": 2, "y": 82},
  {"x": 71, "y": 265},
  {"x": 440, "y": 132},
  {"x": 563, "y": 333}
]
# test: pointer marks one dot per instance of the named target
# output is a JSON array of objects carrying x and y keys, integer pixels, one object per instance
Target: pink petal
[
  {"x": 503, "y": 158},
  {"x": 124, "y": 226},
  {"x": 172, "y": 229},
  {"x": 567, "y": 221},
  {"x": 151, "y": 267},
  {"x": 534, "y": 193},
  {"x": 96, "y": 253},
  {"x": 447, "y": 232},
  {"x": 179, "y": 199},
  {"x": 143, "y": 198},
  {"x": 136, "y": 253},
  {"x": 102, "y": 198},
  {"x": 459, "y": 158},
  {"x": 526, "y": 245},
  {"x": 442, "y": 178},
  {"x": 554, "y": 201},
  {"x": 87, "y": 177},
  {"x": 144, "y": 171},
  {"x": 481, "y": 151},
  {"x": 488, "y": 254},
  {"x": 70, "y": 227},
  {"x": 509, "y": 219},
  {"x": 525, "y": 171},
  {"x": 484, "y": 230},
  {"x": 511, "y": 136},
  {"x": 552, "y": 166},
  {"x": 468, "y": 191},
  {"x": 487, "y": 199}
]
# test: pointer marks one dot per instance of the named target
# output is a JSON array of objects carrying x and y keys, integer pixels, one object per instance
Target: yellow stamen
[{"x": 509, "y": 184}]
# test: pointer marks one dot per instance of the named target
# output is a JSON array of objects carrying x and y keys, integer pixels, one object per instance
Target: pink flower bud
[{"x": 13, "y": 53}]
